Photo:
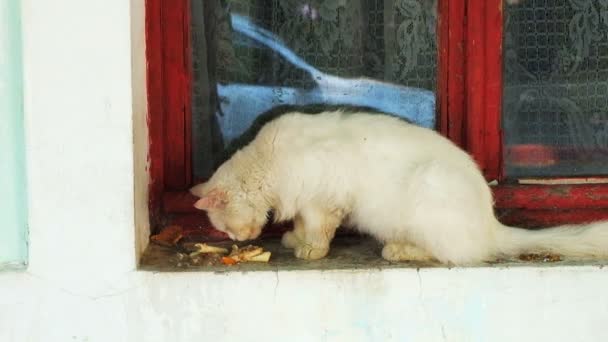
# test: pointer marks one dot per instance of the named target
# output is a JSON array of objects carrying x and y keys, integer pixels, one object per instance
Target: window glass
[
  {"x": 555, "y": 115},
  {"x": 253, "y": 56}
]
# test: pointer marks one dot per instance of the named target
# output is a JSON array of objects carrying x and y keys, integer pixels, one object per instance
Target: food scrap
[
  {"x": 203, "y": 248},
  {"x": 540, "y": 257},
  {"x": 249, "y": 253},
  {"x": 205, "y": 254},
  {"x": 228, "y": 261},
  {"x": 169, "y": 236}
]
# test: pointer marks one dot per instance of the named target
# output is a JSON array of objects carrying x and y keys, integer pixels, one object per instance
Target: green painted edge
[{"x": 13, "y": 211}]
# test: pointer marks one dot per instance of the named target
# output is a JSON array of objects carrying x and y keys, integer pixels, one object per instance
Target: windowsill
[{"x": 347, "y": 253}]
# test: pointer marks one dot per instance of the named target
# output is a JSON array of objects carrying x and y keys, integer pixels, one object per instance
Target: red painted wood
[
  {"x": 176, "y": 73},
  {"x": 155, "y": 86},
  {"x": 484, "y": 84},
  {"x": 475, "y": 80},
  {"x": 549, "y": 218},
  {"x": 579, "y": 196},
  {"x": 187, "y": 79},
  {"x": 442, "y": 98},
  {"x": 451, "y": 86},
  {"x": 169, "y": 98},
  {"x": 179, "y": 202},
  {"x": 492, "y": 146},
  {"x": 470, "y": 80}
]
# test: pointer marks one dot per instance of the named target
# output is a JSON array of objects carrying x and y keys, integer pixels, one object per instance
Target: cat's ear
[
  {"x": 198, "y": 190},
  {"x": 214, "y": 199}
]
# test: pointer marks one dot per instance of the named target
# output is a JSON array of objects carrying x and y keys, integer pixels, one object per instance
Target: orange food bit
[{"x": 228, "y": 261}]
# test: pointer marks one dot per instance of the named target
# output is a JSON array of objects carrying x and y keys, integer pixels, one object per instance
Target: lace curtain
[
  {"x": 556, "y": 84},
  {"x": 388, "y": 40},
  {"x": 391, "y": 40}
]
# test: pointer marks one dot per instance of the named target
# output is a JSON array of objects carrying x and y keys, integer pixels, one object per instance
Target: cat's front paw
[
  {"x": 307, "y": 252},
  {"x": 290, "y": 240}
]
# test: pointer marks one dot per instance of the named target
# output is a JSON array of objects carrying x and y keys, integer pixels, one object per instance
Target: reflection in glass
[
  {"x": 252, "y": 56},
  {"x": 555, "y": 116}
]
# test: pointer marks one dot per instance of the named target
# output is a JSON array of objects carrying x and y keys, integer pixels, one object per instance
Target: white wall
[
  {"x": 84, "y": 107},
  {"x": 484, "y": 304},
  {"x": 79, "y": 122}
]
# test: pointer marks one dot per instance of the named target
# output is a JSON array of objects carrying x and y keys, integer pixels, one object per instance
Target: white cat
[{"x": 409, "y": 187}]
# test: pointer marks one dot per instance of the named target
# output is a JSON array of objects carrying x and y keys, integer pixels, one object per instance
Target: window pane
[
  {"x": 252, "y": 56},
  {"x": 556, "y": 88}
]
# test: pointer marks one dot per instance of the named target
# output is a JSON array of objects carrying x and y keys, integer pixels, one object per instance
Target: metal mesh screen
[{"x": 556, "y": 88}]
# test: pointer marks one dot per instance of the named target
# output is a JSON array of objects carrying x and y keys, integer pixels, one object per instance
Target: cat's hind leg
[{"x": 404, "y": 251}]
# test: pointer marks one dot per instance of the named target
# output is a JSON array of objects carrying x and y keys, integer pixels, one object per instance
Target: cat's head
[{"x": 232, "y": 211}]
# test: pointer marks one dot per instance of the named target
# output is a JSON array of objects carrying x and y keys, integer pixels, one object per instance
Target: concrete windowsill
[{"x": 347, "y": 253}]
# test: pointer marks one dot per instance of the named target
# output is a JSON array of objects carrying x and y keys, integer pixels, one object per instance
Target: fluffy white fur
[{"x": 407, "y": 186}]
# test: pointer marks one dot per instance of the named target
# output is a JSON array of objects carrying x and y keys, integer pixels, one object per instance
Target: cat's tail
[{"x": 587, "y": 240}]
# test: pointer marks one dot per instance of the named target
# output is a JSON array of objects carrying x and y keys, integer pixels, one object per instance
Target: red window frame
[{"x": 469, "y": 106}]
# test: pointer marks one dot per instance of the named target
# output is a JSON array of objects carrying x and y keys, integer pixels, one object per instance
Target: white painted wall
[
  {"x": 84, "y": 108},
  {"x": 484, "y": 304}
]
